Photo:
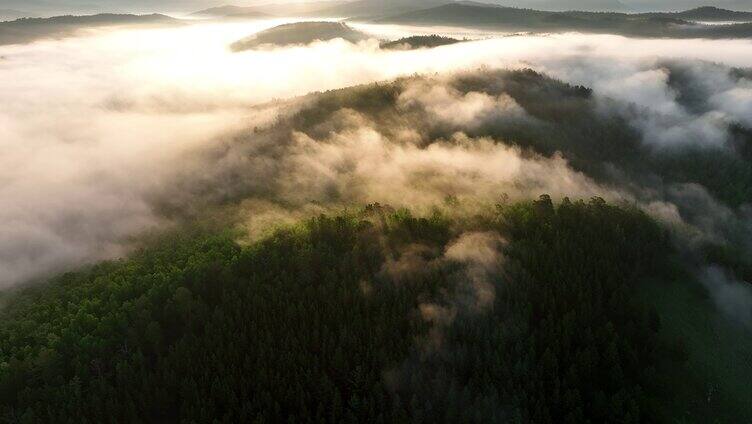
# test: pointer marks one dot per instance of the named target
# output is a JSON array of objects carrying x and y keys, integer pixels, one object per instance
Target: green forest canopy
[{"x": 309, "y": 325}]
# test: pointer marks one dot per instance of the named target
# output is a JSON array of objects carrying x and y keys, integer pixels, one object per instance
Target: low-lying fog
[{"x": 91, "y": 127}]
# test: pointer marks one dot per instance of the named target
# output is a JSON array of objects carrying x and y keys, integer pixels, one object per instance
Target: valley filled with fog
[{"x": 112, "y": 136}]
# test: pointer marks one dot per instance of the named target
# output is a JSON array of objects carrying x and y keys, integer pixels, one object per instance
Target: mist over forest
[{"x": 376, "y": 211}]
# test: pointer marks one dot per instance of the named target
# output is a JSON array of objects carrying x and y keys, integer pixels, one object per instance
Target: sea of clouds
[{"x": 95, "y": 128}]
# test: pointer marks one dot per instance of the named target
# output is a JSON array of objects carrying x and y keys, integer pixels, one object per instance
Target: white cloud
[{"x": 92, "y": 128}]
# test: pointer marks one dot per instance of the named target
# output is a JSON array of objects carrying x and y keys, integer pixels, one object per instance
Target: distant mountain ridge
[
  {"x": 25, "y": 30},
  {"x": 568, "y": 5},
  {"x": 648, "y": 6},
  {"x": 231, "y": 11},
  {"x": 299, "y": 33},
  {"x": 11, "y": 14},
  {"x": 475, "y": 15},
  {"x": 375, "y": 9},
  {"x": 332, "y": 9},
  {"x": 379, "y": 8},
  {"x": 272, "y": 9},
  {"x": 707, "y": 13}
]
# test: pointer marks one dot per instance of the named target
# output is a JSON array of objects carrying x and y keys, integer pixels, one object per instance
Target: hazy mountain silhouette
[
  {"x": 231, "y": 12},
  {"x": 30, "y": 29},
  {"x": 12, "y": 14},
  {"x": 378, "y": 8},
  {"x": 272, "y": 9},
  {"x": 299, "y": 33},
  {"x": 564, "y": 5},
  {"x": 708, "y": 13},
  {"x": 477, "y": 15}
]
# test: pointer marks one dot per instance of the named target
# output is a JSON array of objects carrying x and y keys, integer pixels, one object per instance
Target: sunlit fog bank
[{"x": 93, "y": 127}]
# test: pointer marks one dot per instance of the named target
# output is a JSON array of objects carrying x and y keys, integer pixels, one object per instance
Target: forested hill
[
  {"x": 325, "y": 9},
  {"x": 308, "y": 8},
  {"x": 563, "y": 5},
  {"x": 509, "y": 310},
  {"x": 29, "y": 29},
  {"x": 418, "y": 41},
  {"x": 299, "y": 33},
  {"x": 526, "y": 313},
  {"x": 708, "y": 14},
  {"x": 376, "y": 8},
  {"x": 231, "y": 12},
  {"x": 475, "y": 305},
  {"x": 11, "y": 14},
  {"x": 475, "y": 15}
]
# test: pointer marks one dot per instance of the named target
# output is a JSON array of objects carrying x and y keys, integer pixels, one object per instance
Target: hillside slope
[
  {"x": 11, "y": 14},
  {"x": 418, "y": 42},
  {"x": 299, "y": 33},
  {"x": 494, "y": 285},
  {"x": 473, "y": 15},
  {"x": 705, "y": 14},
  {"x": 30, "y": 29},
  {"x": 273, "y": 9},
  {"x": 564, "y": 5},
  {"x": 377, "y": 8},
  {"x": 231, "y": 12},
  {"x": 317, "y": 322}
]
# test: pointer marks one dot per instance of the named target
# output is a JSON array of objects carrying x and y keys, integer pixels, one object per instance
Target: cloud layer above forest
[{"x": 101, "y": 130}]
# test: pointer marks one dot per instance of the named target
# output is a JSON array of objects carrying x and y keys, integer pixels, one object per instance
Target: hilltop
[
  {"x": 11, "y": 14},
  {"x": 419, "y": 41},
  {"x": 378, "y": 8},
  {"x": 271, "y": 9},
  {"x": 476, "y": 15},
  {"x": 708, "y": 14},
  {"x": 26, "y": 30},
  {"x": 299, "y": 33},
  {"x": 231, "y": 12}
]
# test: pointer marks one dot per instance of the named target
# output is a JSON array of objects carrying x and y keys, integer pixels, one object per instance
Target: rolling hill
[
  {"x": 418, "y": 41},
  {"x": 299, "y": 33},
  {"x": 30, "y": 29},
  {"x": 475, "y": 15},
  {"x": 564, "y": 5},
  {"x": 531, "y": 309},
  {"x": 231, "y": 12},
  {"x": 11, "y": 14},
  {"x": 708, "y": 14},
  {"x": 272, "y": 9},
  {"x": 378, "y": 8}
]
